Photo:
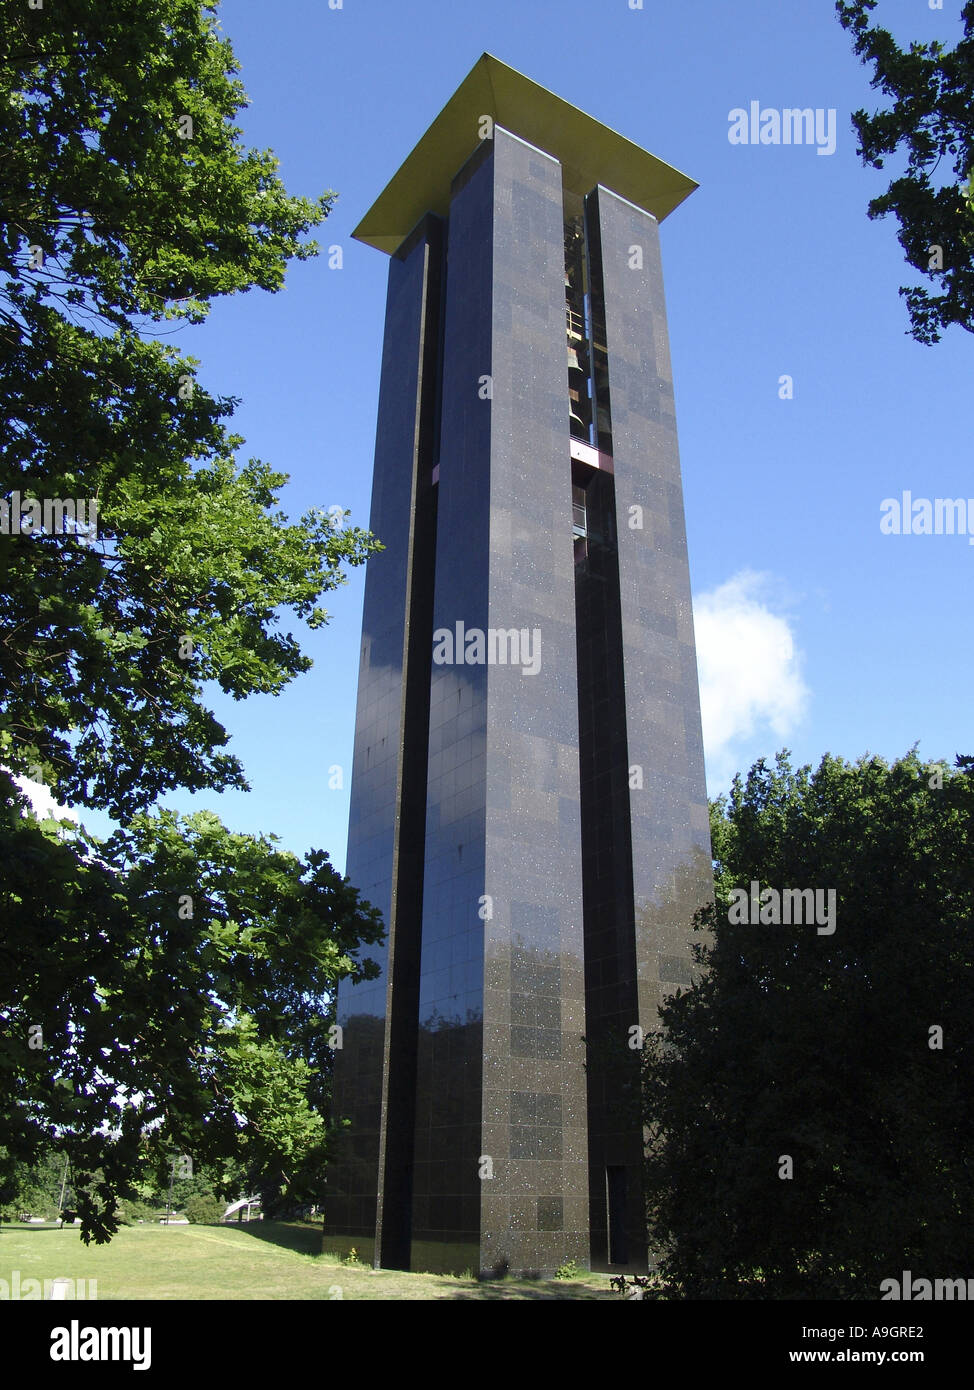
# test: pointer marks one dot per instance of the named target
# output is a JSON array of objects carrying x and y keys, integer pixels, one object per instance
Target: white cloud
[
  {"x": 750, "y": 681},
  {"x": 42, "y": 802}
]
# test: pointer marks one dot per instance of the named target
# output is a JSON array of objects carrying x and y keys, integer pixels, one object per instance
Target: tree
[
  {"x": 932, "y": 117},
  {"x": 203, "y": 1210},
  {"x": 127, "y": 202},
  {"x": 36, "y": 1188},
  {"x": 138, "y": 561},
  {"x": 809, "y": 1099},
  {"x": 145, "y": 1000}
]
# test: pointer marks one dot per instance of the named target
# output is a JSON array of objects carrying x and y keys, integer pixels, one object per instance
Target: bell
[{"x": 573, "y": 360}]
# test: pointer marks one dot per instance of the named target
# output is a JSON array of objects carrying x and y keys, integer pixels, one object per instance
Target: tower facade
[{"x": 528, "y": 806}]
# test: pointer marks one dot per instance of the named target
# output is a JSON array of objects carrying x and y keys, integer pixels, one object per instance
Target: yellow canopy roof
[{"x": 589, "y": 153}]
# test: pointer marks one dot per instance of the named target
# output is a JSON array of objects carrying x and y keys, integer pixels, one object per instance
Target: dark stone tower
[{"x": 528, "y": 806}]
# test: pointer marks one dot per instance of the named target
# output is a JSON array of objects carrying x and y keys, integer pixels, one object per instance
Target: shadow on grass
[
  {"x": 303, "y": 1237},
  {"x": 16, "y": 1229},
  {"x": 544, "y": 1293}
]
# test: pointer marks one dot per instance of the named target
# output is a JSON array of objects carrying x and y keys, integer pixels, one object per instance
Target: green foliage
[
  {"x": 181, "y": 976},
  {"x": 34, "y": 1187},
  {"x": 132, "y": 1210},
  {"x": 108, "y": 643},
  {"x": 162, "y": 963},
  {"x": 202, "y": 1210},
  {"x": 819, "y": 1046},
  {"x": 571, "y": 1269},
  {"x": 932, "y": 118}
]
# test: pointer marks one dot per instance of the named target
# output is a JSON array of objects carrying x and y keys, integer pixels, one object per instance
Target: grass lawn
[{"x": 265, "y": 1259}]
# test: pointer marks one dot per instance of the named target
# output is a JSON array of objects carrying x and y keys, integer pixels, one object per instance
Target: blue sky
[{"x": 815, "y": 631}]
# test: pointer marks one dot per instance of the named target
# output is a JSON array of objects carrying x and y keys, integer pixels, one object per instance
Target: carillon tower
[{"x": 528, "y": 807}]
